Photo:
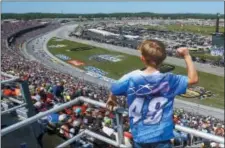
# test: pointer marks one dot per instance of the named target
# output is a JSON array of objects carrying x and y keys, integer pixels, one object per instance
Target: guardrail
[
  {"x": 25, "y": 95},
  {"x": 10, "y": 80},
  {"x": 118, "y": 117},
  {"x": 96, "y": 136},
  {"x": 12, "y": 109}
]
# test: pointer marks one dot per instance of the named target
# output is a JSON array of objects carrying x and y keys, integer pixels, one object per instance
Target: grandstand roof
[
  {"x": 107, "y": 33},
  {"x": 43, "y": 22},
  {"x": 103, "y": 32},
  {"x": 131, "y": 36}
]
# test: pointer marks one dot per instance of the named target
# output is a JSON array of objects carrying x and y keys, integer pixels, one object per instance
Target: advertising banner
[
  {"x": 76, "y": 62},
  {"x": 63, "y": 57}
]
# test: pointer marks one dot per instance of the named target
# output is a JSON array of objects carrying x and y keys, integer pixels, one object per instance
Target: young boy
[{"x": 150, "y": 95}]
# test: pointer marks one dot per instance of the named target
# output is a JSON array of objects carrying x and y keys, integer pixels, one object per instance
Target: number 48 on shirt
[{"x": 155, "y": 110}]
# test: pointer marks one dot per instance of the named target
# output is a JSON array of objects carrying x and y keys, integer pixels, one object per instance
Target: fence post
[
  {"x": 119, "y": 121},
  {"x": 26, "y": 94},
  {"x": 35, "y": 127}
]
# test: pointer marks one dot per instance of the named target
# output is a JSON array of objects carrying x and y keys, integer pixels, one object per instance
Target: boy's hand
[
  {"x": 192, "y": 73},
  {"x": 111, "y": 103},
  {"x": 183, "y": 51}
]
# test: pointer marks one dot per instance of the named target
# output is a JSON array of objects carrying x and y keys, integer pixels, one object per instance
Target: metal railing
[
  {"x": 21, "y": 104},
  {"x": 12, "y": 79},
  {"x": 118, "y": 111},
  {"x": 119, "y": 120},
  {"x": 13, "y": 108},
  {"x": 25, "y": 95},
  {"x": 96, "y": 136}
]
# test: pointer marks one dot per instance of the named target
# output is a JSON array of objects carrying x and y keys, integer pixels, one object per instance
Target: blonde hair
[{"x": 153, "y": 51}]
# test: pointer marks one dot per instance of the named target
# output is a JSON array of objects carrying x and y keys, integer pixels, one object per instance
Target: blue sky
[{"x": 109, "y": 7}]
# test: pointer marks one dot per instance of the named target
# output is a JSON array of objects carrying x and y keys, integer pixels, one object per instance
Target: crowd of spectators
[
  {"x": 171, "y": 39},
  {"x": 9, "y": 28},
  {"x": 205, "y": 124},
  {"x": 217, "y": 51},
  {"x": 50, "y": 88}
]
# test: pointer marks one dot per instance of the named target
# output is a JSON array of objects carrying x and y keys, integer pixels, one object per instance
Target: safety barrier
[
  {"x": 25, "y": 95},
  {"x": 12, "y": 109},
  {"x": 118, "y": 111},
  {"x": 119, "y": 120}
]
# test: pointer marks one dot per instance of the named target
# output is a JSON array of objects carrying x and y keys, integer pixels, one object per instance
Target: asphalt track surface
[{"x": 40, "y": 45}]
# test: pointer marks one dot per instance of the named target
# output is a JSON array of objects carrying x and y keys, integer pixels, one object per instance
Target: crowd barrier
[{"x": 119, "y": 112}]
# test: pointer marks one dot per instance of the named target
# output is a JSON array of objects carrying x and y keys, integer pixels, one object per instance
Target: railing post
[
  {"x": 31, "y": 110},
  {"x": 119, "y": 121},
  {"x": 191, "y": 141},
  {"x": 26, "y": 95}
]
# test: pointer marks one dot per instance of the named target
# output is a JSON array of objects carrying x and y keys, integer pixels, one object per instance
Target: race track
[
  {"x": 170, "y": 60},
  {"x": 41, "y": 54}
]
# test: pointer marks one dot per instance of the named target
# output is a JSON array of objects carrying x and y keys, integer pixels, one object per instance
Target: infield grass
[
  {"x": 210, "y": 82},
  {"x": 205, "y": 30}
]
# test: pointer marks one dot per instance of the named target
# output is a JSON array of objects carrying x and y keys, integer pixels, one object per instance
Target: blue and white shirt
[{"x": 150, "y": 100}]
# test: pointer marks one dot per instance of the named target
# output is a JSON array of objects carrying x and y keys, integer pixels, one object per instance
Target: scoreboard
[{"x": 218, "y": 39}]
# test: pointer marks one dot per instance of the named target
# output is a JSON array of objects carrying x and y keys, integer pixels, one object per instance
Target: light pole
[{"x": 217, "y": 23}]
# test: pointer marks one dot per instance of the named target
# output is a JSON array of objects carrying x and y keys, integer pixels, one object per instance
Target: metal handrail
[
  {"x": 68, "y": 104},
  {"x": 92, "y": 134},
  {"x": 7, "y": 75},
  {"x": 15, "y": 100},
  {"x": 36, "y": 117},
  {"x": 12, "y": 78},
  {"x": 13, "y": 108},
  {"x": 68, "y": 142},
  {"x": 107, "y": 140}
]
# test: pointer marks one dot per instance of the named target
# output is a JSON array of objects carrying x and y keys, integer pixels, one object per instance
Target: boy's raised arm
[
  {"x": 117, "y": 88},
  {"x": 192, "y": 73}
]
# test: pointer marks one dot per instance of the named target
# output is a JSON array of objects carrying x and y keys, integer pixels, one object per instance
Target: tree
[{"x": 26, "y": 16}]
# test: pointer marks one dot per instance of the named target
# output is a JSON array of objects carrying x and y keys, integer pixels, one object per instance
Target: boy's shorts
[{"x": 161, "y": 144}]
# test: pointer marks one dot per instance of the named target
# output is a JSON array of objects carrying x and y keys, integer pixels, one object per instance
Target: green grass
[
  {"x": 205, "y": 30},
  {"x": 116, "y": 70}
]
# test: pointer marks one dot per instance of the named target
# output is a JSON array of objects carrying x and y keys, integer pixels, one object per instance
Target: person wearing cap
[
  {"x": 78, "y": 111},
  {"x": 58, "y": 91},
  {"x": 67, "y": 98},
  {"x": 107, "y": 121},
  {"x": 39, "y": 106},
  {"x": 63, "y": 118},
  {"x": 77, "y": 114}
]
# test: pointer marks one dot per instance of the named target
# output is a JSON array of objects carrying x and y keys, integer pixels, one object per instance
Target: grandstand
[{"x": 52, "y": 102}]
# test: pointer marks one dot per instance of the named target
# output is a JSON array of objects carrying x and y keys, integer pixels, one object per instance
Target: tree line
[{"x": 27, "y": 16}]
